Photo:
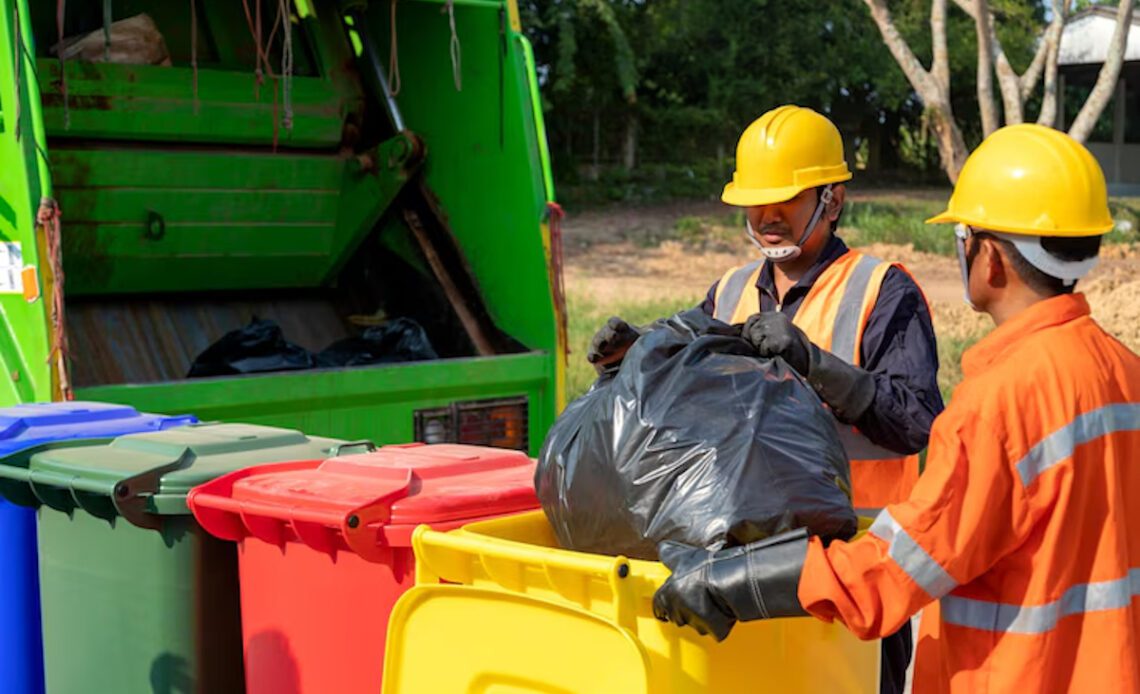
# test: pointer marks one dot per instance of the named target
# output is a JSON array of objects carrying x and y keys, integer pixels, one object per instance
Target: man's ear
[
  {"x": 838, "y": 198},
  {"x": 996, "y": 265}
]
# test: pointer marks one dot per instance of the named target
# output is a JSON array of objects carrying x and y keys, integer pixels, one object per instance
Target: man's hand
[
  {"x": 848, "y": 390},
  {"x": 610, "y": 344},
  {"x": 712, "y": 591},
  {"x": 773, "y": 334},
  {"x": 686, "y": 598}
]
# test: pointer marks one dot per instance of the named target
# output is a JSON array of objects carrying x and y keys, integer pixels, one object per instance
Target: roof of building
[{"x": 1088, "y": 34}]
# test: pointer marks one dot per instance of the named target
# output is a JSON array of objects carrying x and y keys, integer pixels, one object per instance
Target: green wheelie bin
[{"x": 136, "y": 597}]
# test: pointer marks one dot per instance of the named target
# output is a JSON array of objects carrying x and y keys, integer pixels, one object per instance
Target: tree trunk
[
  {"x": 951, "y": 145},
  {"x": 940, "y": 66},
  {"x": 986, "y": 105},
  {"x": 629, "y": 146},
  {"x": 1015, "y": 89},
  {"x": 1029, "y": 79},
  {"x": 919, "y": 78},
  {"x": 933, "y": 86},
  {"x": 889, "y": 141},
  {"x": 875, "y": 148},
  {"x": 596, "y": 167},
  {"x": 1109, "y": 73},
  {"x": 1010, "y": 84},
  {"x": 1051, "y": 98}
]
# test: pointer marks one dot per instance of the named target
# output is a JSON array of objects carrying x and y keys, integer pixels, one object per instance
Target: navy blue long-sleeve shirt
[{"x": 898, "y": 349}]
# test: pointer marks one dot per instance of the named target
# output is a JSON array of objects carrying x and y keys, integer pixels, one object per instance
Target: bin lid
[
  {"x": 139, "y": 476},
  {"x": 30, "y": 425},
  {"x": 373, "y": 499}
]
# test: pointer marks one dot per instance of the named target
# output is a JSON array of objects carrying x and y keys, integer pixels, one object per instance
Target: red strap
[{"x": 556, "y": 215}]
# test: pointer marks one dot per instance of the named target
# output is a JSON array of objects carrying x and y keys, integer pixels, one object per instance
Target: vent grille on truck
[{"x": 501, "y": 423}]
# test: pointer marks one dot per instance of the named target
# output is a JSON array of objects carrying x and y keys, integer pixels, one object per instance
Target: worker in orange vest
[
  {"x": 856, "y": 327},
  {"x": 1022, "y": 537}
]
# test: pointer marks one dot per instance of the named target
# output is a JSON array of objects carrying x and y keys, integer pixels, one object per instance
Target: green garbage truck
[{"x": 202, "y": 200}]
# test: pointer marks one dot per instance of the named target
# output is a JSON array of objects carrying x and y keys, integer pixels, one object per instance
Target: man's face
[{"x": 782, "y": 224}]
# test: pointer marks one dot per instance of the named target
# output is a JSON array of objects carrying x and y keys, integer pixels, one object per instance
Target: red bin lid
[{"x": 368, "y": 501}]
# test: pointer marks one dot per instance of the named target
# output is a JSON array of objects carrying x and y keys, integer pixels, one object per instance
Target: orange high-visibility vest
[
  {"x": 1025, "y": 525},
  {"x": 833, "y": 315}
]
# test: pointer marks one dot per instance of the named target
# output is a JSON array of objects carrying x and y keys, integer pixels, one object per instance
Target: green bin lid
[{"x": 143, "y": 476}]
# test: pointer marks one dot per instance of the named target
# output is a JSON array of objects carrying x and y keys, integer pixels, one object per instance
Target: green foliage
[
  {"x": 680, "y": 79},
  {"x": 918, "y": 148},
  {"x": 704, "y": 69}
]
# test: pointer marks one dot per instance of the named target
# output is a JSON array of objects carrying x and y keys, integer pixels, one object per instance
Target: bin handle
[
  {"x": 131, "y": 495},
  {"x": 366, "y": 444},
  {"x": 233, "y": 519},
  {"x": 363, "y": 527}
]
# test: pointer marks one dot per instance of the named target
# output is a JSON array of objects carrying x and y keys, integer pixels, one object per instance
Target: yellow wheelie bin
[{"x": 498, "y": 606}]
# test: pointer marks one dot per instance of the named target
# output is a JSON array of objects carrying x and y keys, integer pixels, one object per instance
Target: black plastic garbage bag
[
  {"x": 694, "y": 439},
  {"x": 259, "y": 347},
  {"x": 402, "y": 339}
]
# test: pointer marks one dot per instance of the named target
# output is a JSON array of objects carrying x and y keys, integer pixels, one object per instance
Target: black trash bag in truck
[
  {"x": 259, "y": 347},
  {"x": 399, "y": 340},
  {"x": 694, "y": 439}
]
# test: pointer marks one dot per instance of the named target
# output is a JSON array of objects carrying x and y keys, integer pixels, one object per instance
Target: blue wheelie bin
[{"x": 25, "y": 429}]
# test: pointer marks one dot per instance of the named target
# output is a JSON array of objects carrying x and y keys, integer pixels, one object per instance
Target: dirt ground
[{"x": 614, "y": 257}]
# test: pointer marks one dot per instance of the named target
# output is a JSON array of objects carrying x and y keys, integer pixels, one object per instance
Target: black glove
[
  {"x": 774, "y": 335},
  {"x": 712, "y": 591},
  {"x": 847, "y": 389},
  {"x": 610, "y": 344}
]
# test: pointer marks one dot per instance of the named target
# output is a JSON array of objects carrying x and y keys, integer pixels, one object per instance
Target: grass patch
[
  {"x": 950, "y": 351},
  {"x": 863, "y": 222},
  {"x": 720, "y": 232},
  {"x": 890, "y": 221},
  {"x": 902, "y": 222},
  {"x": 586, "y": 316},
  {"x": 1126, "y": 212}
]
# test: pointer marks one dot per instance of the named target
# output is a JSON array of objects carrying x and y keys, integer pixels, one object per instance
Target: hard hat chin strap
[{"x": 781, "y": 254}]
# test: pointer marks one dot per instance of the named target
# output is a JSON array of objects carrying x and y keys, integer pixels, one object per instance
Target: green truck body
[{"x": 239, "y": 182}]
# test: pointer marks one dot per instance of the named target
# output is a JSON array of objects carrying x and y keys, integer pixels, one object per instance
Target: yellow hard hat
[
  {"x": 1032, "y": 180},
  {"x": 785, "y": 151}
]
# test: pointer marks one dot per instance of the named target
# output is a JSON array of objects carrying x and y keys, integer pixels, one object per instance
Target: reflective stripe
[
  {"x": 908, "y": 554},
  {"x": 845, "y": 334},
  {"x": 1060, "y": 445},
  {"x": 1038, "y": 619},
  {"x": 859, "y": 447},
  {"x": 733, "y": 290}
]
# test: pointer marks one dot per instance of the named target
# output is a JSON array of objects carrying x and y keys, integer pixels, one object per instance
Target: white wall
[{"x": 1129, "y": 162}]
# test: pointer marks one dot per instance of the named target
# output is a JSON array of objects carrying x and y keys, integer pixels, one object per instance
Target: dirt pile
[{"x": 1115, "y": 301}]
